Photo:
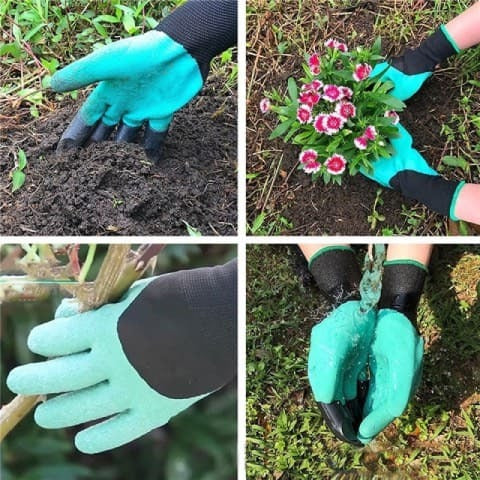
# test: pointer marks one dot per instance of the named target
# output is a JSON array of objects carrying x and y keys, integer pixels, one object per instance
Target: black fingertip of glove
[
  {"x": 126, "y": 133},
  {"x": 402, "y": 287},
  {"x": 340, "y": 421},
  {"x": 76, "y": 134},
  {"x": 154, "y": 144},
  {"x": 431, "y": 52},
  {"x": 434, "y": 191},
  {"x": 101, "y": 133},
  {"x": 337, "y": 274}
]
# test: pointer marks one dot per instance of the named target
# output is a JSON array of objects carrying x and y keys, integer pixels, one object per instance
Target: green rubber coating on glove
[
  {"x": 99, "y": 381},
  {"x": 454, "y": 44},
  {"x": 406, "y": 261},
  {"x": 338, "y": 355},
  {"x": 395, "y": 361},
  {"x": 405, "y": 85},
  {"x": 453, "y": 205},
  {"x": 325, "y": 250},
  {"x": 404, "y": 158},
  {"x": 144, "y": 78}
]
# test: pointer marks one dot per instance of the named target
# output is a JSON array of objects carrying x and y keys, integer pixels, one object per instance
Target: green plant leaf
[
  {"x": 21, "y": 160},
  {"x": 377, "y": 46},
  {"x": 257, "y": 223},
  {"x": 292, "y": 89},
  {"x": 458, "y": 162},
  {"x": 281, "y": 129},
  {"x": 18, "y": 179}
]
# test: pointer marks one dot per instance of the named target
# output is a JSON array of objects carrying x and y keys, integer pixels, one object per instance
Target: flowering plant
[{"x": 341, "y": 115}]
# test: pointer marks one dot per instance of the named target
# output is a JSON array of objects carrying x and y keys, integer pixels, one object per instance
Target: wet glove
[
  {"x": 339, "y": 344},
  {"x": 408, "y": 172},
  {"x": 168, "y": 343},
  {"x": 409, "y": 71},
  {"x": 396, "y": 354},
  {"x": 147, "y": 78}
]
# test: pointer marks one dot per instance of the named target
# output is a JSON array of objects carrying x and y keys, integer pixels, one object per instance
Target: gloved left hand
[
  {"x": 408, "y": 172},
  {"x": 168, "y": 343},
  {"x": 147, "y": 78}
]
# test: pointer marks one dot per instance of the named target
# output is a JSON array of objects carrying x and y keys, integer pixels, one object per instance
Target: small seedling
[
  {"x": 376, "y": 217},
  {"x": 18, "y": 177},
  {"x": 192, "y": 231}
]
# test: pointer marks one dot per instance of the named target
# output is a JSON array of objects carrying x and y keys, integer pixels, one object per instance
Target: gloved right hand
[
  {"x": 409, "y": 71},
  {"x": 408, "y": 172}
]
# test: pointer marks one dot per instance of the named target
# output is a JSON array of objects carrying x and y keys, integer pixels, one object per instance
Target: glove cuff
[
  {"x": 402, "y": 287},
  {"x": 431, "y": 52},
  {"x": 204, "y": 27},
  {"x": 336, "y": 273}
]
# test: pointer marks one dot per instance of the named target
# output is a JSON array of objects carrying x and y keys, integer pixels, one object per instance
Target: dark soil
[
  {"x": 318, "y": 209},
  {"x": 111, "y": 188}
]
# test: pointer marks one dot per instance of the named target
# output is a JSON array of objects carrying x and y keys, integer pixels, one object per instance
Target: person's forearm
[
  {"x": 464, "y": 29},
  {"x": 467, "y": 207},
  {"x": 416, "y": 252}
]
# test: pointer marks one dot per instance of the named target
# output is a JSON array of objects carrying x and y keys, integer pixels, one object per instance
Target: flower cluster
[{"x": 341, "y": 115}]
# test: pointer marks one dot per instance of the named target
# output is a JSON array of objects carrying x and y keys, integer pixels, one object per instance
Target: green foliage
[
  {"x": 17, "y": 174},
  {"x": 438, "y": 437}
]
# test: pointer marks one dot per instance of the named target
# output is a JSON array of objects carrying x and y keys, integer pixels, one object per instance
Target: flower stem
[{"x": 88, "y": 262}]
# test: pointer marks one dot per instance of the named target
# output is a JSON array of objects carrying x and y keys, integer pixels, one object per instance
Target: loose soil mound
[{"x": 111, "y": 188}]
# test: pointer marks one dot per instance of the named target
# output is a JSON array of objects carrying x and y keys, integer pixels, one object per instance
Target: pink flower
[
  {"x": 342, "y": 47},
  {"x": 336, "y": 164},
  {"x": 331, "y": 93},
  {"x": 346, "y": 110},
  {"x": 346, "y": 92},
  {"x": 362, "y": 71},
  {"x": 371, "y": 132},
  {"x": 361, "y": 142},
  {"x": 314, "y": 64},
  {"x": 333, "y": 123},
  {"x": 332, "y": 43},
  {"x": 308, "y": 156},
  {"x": 312, "y": 167},
  {"x": 265, "y": 105},
  {"x": 309, "y": 97},
  {"x": 393, "y": 116},
  {"x": 315, "y": 85},
  {"x": 319, "y": 123},
  {"x": 304, "y": 114}
]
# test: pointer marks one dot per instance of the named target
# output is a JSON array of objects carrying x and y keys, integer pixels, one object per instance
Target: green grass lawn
[{"x": 438, "y": 437}]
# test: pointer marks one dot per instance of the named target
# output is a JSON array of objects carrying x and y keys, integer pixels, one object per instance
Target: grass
[
  {"x": 299, "y": 26},
  {"x": 438, "y": 437}
]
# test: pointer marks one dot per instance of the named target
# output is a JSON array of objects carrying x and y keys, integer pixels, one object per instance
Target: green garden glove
[
  {"x": 395, "y": 370},
  {"x": 410, "y": 71},
  {"x": 147, "y": 78},
  {"x": 409, "y": 173},
  {"x": 396, "y": 354},
  {"x": 168, "y": 343}
]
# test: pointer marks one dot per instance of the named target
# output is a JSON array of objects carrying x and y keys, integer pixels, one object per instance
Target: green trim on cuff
[
  {"x": 453, "y": 205},
  {"x": 444, "y": 30},
  {"x": 325, "y": 250},
  {"x": 406, "y": 261}
]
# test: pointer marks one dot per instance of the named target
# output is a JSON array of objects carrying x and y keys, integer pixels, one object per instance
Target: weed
[
  {"x": 17, "y": 174},
  {"x": 375, "y": 216}
]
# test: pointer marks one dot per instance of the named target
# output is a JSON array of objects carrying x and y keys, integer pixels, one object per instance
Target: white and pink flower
[
  {"x": 314, "y": 85},
  {"x": 336, "y": 164},
  {"x": 333, "y": 123},
  {"x": 304, "y": 114},
  {"x": 370, "y": 132},
  {"x": 393, "y": 116},
  {"x": 309, "y": 160},
  {"x": 332, "y": 43},
  {"x": 362, "y": 71},
  {"x": 319, "y": 123},
  {"x": 331, "y": 93},
  {"x": 361, "y": 142},
  {"x": 347, "y": 93},
  {"x": 309, "y": 97},
  {"x": 346, "y": 110},
  {"x": 314, "y": 63},
  {"x": 265, "y": 105}
]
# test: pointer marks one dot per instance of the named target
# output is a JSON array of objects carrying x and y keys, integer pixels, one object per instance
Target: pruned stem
[{"x": 14, "y": 411}]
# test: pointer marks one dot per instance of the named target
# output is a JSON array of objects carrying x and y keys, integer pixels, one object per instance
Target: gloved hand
[
  {"x": 339, "y": 344},
  {"x": 409, "y": 71},
  {"x": 408, "y": 172},
  {"x": 147, "y": 78},
  {"x": 168, "y": 343},
  {"x": 396, "y": 354}
]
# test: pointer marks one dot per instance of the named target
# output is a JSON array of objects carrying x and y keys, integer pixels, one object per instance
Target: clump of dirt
[
  {"x": 318, "y": 209},
  {"x": 111, "y": 188}
]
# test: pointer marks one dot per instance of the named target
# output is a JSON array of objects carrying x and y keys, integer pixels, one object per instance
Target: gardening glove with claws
[
  {"x": 147, "y": 78},
  {"x": 396, "y": 354},
  {"x": 168, "y": 343},
  {"x": 339, "y": 344},
  {"x": 409, "y": 71},
  {"x": 408, "y": 172}
]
